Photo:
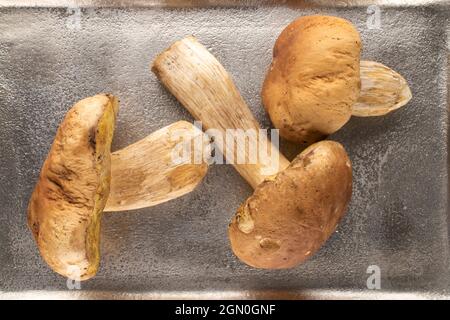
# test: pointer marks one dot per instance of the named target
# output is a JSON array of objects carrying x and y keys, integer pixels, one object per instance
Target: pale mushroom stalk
[
  {"x": 145, "y": 173},
  {"x": 204, "y": 87},
  {"x": 290, "y": 214},
  {"x": 382, "y": 90}
]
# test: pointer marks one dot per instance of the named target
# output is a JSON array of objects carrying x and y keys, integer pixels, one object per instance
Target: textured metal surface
[
  {"x": 220, "y": 3},
  {"x": 398, "y": 218}
]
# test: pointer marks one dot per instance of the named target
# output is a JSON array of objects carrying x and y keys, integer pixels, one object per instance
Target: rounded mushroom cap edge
[{"x": 64, "y": 212}]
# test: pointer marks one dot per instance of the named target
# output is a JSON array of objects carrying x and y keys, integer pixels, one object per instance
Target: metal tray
[{"x": 53, "y": 53}]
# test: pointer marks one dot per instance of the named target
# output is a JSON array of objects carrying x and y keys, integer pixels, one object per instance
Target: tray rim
[
  {"x": 218, "y": 3},
  {"x": 242, "y": 294},
  {"x": 311, "y": 294}
]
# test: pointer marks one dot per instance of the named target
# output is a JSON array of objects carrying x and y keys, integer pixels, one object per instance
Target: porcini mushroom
[
  {"x": 64, "y": 212},
  {"x": 290, "y": 214},
  {"x": 316, "y": 81}
]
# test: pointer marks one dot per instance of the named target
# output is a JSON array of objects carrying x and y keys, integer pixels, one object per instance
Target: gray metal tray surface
[{"x": 54, "y": 53}]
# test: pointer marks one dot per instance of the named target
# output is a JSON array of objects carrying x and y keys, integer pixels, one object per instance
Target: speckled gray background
[{"x": 398, "y": 218}]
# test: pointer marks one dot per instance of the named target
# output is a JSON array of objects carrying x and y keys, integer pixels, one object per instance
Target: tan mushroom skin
[
  {"x": 313, "y": 80},
  {"x": 288, "y": 218},
  {"x": 65, "y": 209}
]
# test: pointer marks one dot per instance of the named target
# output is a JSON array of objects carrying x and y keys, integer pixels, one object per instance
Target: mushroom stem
[
  {"x": 203, "y": 86},
  {"x": 146, "y": 173},
  {"x": 382, "y": 90}
]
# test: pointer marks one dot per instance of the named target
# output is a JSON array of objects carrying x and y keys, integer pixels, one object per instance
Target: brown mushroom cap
[
  {"x": 288, "y": 218},
  {"x": 65, "y": 209},
  {"x": 314, "y": 78}
]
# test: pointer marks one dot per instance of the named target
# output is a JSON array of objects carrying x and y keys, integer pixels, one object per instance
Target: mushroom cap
[
  {"x": 64, "y": 212},
  {"x": 314, "y": 79},
  {"x": 289, "y": 217}
]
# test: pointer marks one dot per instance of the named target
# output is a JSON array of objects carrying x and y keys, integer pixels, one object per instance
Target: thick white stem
[
  {"x": 195, "y": 77},
  {"x": 150, "y": 172}
]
